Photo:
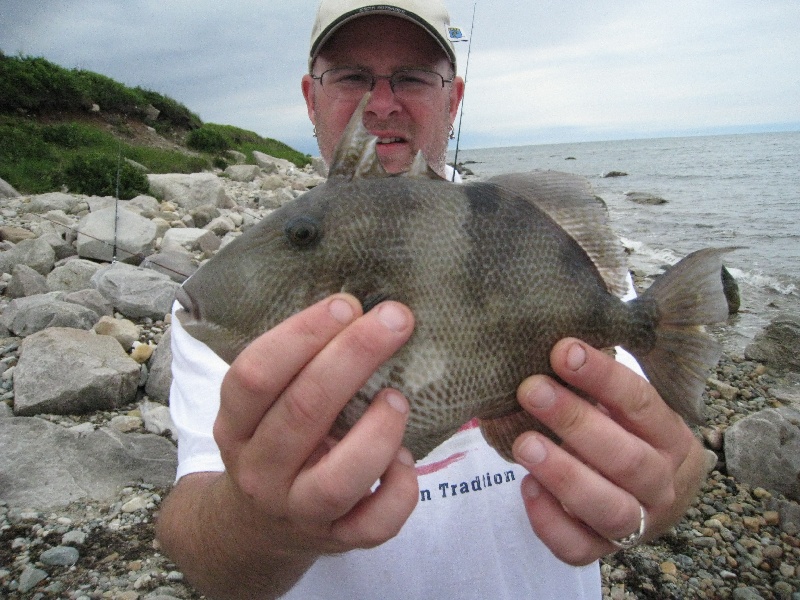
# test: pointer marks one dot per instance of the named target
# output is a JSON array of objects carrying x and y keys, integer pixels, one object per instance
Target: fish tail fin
[{"x": 688, "y": 296}]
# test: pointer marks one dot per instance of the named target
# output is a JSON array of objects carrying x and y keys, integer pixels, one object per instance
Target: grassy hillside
[{"x": 53, "y": 134}]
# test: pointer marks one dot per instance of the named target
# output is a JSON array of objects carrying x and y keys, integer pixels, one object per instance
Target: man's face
[{"x": 383, "y": 45}]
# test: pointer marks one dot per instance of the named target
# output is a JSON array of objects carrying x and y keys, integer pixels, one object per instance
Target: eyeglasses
[{"x": 351, "y": 83}]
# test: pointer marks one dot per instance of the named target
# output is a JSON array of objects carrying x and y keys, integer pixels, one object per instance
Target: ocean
[{"x": 725, "y": 190}]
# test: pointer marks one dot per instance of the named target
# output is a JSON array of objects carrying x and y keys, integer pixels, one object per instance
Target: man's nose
[{"x": 383, "y": 100}]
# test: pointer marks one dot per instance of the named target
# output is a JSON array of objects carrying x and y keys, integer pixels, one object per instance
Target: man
[{"x": 278, "y": 508}]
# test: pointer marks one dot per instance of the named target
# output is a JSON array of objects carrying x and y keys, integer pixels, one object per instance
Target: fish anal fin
[{"x": 501, "y": 432}]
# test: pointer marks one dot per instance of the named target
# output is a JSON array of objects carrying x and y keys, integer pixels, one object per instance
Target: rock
[
  {"x": 776, "y": 345},
  {"x": 189, "y": 191},
  {"x": 15, "y": 235},
  {"x": 26, "y": 316},
  {"x": 30, "y": 578},
  {"x": 43, "y": 203},
  {"x": 131, "y": 238},
  {"x": 236, "y": 156},
  {"x": 35, "y": 253},
  {"x": 176, "y": 263},
  {"x": 25, "y": 281},
  {"x": 731, "y": 289},
  {"x": 189, "y": 239},
  {"x": 202, "y": 215},
  {"x": 265, "y": 161},
  {"x": 160, "y": 378},
  {"x": 45, "y": 465},
  {"x": 319, "y": 167},
  {"x": 243, "y": 172},
  {"x": 148, "y": 204},
  {"x": 71, "y": 371},
  {"x": 91, "y": 299},
  {"x": 73, "y": 276},
  {"x": 615, "y": 174},
  {"x": 124, "y": 331},
  {"x": 270, "y": 183},
  {"x": 763, "y": 450},
  {"x": 136, "y": 292},
  {"x": 221, "y": 225},
  {"x": 7, "y": 190},
  {"x": 60, "y": 556},
  {"x": 141, "y": 353},
  {"x": 157, "y": 419},
  {"x": 746, "y": 593},
  {"x": 642, "y": 197}
]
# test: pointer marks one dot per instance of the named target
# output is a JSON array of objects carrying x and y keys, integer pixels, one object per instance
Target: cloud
[{"x": 539, "y": 71}]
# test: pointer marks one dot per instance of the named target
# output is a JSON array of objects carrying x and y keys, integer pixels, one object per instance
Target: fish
[{"x": 495, "y": 273}]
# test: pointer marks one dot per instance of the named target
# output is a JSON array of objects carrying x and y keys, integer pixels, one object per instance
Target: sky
[{"x": 539, "y": 71}]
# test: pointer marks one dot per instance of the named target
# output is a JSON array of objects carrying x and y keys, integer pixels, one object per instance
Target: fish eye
[{"x": 302, "y": 231}]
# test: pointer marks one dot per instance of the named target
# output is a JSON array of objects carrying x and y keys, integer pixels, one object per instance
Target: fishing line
[{"x": 466, "y": 71}]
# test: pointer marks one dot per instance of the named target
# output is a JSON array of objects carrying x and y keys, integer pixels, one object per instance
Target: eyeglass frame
[{"x": 375, "y": 77}]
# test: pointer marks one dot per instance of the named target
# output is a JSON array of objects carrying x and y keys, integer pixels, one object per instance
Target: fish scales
[{"x": 495, "y": 273}]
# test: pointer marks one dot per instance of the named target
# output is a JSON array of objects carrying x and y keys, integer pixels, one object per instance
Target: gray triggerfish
[{"x": 495, "y": 272}]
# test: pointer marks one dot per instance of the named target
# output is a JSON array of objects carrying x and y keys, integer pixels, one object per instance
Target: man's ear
[
  {"x": 456, "y": 95},
  {"x": 307, "y": 87}
]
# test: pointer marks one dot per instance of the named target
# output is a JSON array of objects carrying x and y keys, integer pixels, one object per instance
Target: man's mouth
[{"x": 390, "y": 140}]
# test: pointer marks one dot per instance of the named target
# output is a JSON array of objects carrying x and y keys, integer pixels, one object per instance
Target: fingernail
[
  {"x": 397, "y": 401},
  {"x": 404, "y": 456},
  {"x": 530, "y": 487},
  {"x": 576, "y": 357},
  {"x": 540, "y": 395},
  {"x": 341, "y": 310},
  {"x": 532, "y": 451},
  {"x": 392, "y": 317}
]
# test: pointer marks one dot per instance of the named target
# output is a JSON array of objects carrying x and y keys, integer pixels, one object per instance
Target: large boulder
[
  {"x": 25, "y": 282},
  {"x": 136, "y": 292},
  {"x": 776, "y": 345},
  {"x": 25, "y": 316},
  {"x": 189, "y": 191},
  {"x": 7, "y": 190},
  {"x": 44, "y": 465},
  {"x": 36, "y": 253},
  {"x": 73, "y": 276},
  {"x": 160, "y": 378},
  {"x": 243, "y": 173},
  {"x": 110, "y": 230},
  {"x": 763, "y": 450},
  {"x": 71, "y": 371},
  {"x": 42, "y": 203}
]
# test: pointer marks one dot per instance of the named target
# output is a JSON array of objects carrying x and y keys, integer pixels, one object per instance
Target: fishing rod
[
  {"x": 116, "y": 201},
  {"x": 466, "y": 71}
]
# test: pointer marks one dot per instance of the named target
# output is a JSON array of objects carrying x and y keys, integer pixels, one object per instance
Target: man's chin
[{"x": 395, "y": 158}]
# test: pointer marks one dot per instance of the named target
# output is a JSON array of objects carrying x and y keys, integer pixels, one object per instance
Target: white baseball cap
[{"x": 431, "y": 15}]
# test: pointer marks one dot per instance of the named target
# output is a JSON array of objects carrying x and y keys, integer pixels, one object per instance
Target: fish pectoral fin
[{"x": 501, "y": 432}]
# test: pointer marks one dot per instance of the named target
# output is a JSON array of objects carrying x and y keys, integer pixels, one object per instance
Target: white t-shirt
[{"x": 468, "y": 537}]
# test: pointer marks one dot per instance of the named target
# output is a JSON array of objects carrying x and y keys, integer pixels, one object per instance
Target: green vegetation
[
  {"x": 101, "y": 175},
  {"x": 52, "y": 138}
]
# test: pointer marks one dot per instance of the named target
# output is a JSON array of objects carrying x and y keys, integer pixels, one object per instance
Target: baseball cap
[{"x": 431, "y": 15}]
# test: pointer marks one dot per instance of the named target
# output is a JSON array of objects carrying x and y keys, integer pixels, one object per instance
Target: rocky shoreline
[{"x": 70, "y": 539}]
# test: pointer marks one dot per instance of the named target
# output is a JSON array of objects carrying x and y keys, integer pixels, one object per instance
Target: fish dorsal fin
[
  {"x": 421, "y": 168},
  {"x": 571, "y": 202},
  {"x": 355, "y": 155}
]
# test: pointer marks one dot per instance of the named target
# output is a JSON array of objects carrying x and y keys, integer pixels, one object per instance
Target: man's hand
[
  {"x": 289, "y": 493},
  {"x": 629, "y": 450}
]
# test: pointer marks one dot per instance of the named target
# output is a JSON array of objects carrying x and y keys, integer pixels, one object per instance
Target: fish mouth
[{"x": 188, "y": 303}]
